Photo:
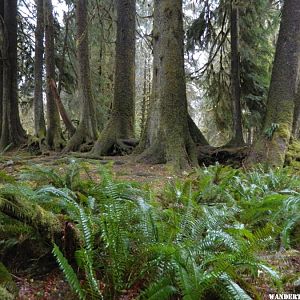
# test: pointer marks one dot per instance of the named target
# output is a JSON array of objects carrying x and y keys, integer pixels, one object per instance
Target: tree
[
  {"x": 253, "y": 53},
  {"x": 87, "y": 129},
  {"x": 2, "y": 45},
  {"x": 12, "y": 133},
  {"x": 120, "y": 127},
  {"x": 39, "y": 119},
  {"x": 237, "y": 139},
  {"x": 54, "y": 134},
  {"x": 167, "y": 137},
  {"x": 296, "y": 120},
  {"x": 274, "y": 139}
]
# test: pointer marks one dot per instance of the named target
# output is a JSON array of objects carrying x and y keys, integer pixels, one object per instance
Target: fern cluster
[{"x": 200, "y": 237}]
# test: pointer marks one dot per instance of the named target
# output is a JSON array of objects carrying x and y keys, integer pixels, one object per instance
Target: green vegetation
[{"x": 207, "y": 234}]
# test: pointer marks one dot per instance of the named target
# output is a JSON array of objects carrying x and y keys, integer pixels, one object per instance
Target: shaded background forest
[{"x": 220, "y": 53}]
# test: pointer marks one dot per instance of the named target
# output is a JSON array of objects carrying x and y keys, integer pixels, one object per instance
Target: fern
[
  {"x": 161, "y": 289},
  {"x": 69, "y": 273}
]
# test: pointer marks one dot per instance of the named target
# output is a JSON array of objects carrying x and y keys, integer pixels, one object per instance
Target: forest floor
[{"x": 52, "y": 285}]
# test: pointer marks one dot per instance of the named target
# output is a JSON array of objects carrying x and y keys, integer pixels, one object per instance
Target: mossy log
[
  {"x": 41, "y": 229},
  {"x": 46, "y": 223}
]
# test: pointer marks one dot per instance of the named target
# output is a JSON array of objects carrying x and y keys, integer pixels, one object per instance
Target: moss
[{"x": 293, "y": 154}]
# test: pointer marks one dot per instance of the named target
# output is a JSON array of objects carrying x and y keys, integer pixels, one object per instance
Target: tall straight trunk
[
  {"x": 39, "y": 119},
  {"x": 121, "y": 123},
  {"x": 12, "y": 133},
  {"x": 54, "y": 133},
  {"x": 87, "y": 129},
  {"x": 145, "y": 96},
  {"x": 237, "y": 138},
  {"x": 296, "y": 121},
  {"x": 1, "y": 62},
  {"x": 167, "y": 137},
  {"x": 272, "y": 144}
]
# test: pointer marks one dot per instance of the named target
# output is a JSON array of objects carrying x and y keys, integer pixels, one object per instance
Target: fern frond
[
  {"x": 161, "y": 289},
  {"x": 68, "y": 272}
]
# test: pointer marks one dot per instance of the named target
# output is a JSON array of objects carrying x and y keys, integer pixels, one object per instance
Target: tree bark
[
  {"x": 87, "y": 128},
  {"x": 12, "y": 133},
  {"x": 39, "y": 119},
  {"x": 1, "y": 61},
  {"x": 62, "y": 111},
  {"x": 145, "y": 96},
  {"x": 273, "y": 142},
  {"x": 121, "y": 123},
  {"x": 54, "y": 133},
  {"x": 296, "y": 120},
  {"x": 167, "y": 138},
  {"x": 196, "y": 134},
  {"x": 237, "y": 138}
]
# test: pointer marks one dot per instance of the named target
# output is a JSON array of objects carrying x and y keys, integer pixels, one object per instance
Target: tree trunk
[
  {"x": 54, "y": 133},
  {"x": 296, "y": 121},
  {"x": 39, "y": 119},
  {"x": 273, "y": 142},
  {"x": 87, "y": 128},
  {"x": 196, "y": 134},
  {"x": 62, "y": 111},
  {"x": 1, "y": 61},
  {"x": 121, "y": 123},
  {"x": 237, "y": 138},
  {"x": 12, "y": 133},
  {"x": 145, "y": 96},
  {"x": 167, "y": 137}
]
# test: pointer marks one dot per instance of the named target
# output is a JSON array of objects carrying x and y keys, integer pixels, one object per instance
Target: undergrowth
[{"x": 203, "y": 237}]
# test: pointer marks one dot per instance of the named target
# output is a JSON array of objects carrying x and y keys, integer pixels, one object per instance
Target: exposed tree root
[
  {"x": 36, "y": 145},
  {"x": 80, "y": 138},
  {"x": 111, "y": 146},
  {"x": 228, "y": 156},
  {"x": 179, "y": 158}
]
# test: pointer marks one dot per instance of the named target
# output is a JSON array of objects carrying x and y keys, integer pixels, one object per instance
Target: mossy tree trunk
[
  {"x": 39, "y": 119},
  {"x": 120, "y": 126},
  {"x": 296, "y": 121},
  {"x": 1, "y": 61},
  {"x": 237, "y": 138},
  {"x": 12, "y": 132},
  {"x": 271, "y": 146},
  {"x": 167, "y": 138},
  {"x": 87, "y": 129},
  {"x": 54, "y": 133}
]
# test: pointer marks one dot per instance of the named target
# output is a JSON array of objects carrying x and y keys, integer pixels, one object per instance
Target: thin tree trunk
[
  {"x": 39, "y": 119},
  {"x": 121, "y": 123},
  {"x": 273, "y": 142},
  {"x": 54, "y": 133},
  {"x": 87, "y": 128},
  {"x": 12, "y": 132},
  {"x": 62, "y": 111},
  {"x": 237, "y": 139}
]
